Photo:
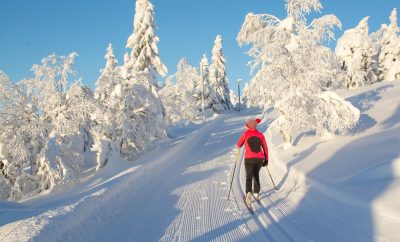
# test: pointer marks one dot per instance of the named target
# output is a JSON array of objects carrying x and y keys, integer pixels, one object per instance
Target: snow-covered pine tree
[
  {"x": 143, "y": 117},
  {"x": 143, "y": 42},
  {"x": 114, "y": 125},
  {"x": 186, "y": 99},
  {"x": 109, "y": 92},
  {"x": 170, "y": 97},
  {"x": 389, "y": 57},
  {"x": 206, "y": 82},
  {"x": 293, "y": 69},
  {"x": 359, "y": 56},
  {"x": 234, "y": 98},
  {"x": 219, "y": 89},
  {"x": 109, "y": 78},
  {"x": 187, "y": 86},
  {"x": 134, "y": 117}
]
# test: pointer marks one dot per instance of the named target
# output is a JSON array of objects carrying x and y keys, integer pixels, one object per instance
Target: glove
[{"x": 265, "y": 163}]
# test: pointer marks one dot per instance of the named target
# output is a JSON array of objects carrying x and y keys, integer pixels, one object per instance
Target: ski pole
[
  {"x": 271, "y": 178},
  {"x": 233, "y": 173}
]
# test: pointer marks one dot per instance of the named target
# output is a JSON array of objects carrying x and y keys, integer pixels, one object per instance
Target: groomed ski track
[{"x": 177, "y": 192}]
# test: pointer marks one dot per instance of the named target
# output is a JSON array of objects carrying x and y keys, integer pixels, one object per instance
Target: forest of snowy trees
[
  {"x": 182, "y": 94},
  {"x": 51, "y": 125},
  {"x": 296, "y": 74},
  {"x": 369, "y": 58}
]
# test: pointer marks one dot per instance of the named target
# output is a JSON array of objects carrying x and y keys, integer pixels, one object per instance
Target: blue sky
[{"x": 32, "y": 29}]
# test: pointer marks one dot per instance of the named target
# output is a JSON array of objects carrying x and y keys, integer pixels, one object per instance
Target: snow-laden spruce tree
[
  {"x": 182, "y": 101},
  {"x": 219, "y": 90},
  {"x": 141, "y": 119},
  {"x": 187, "y": 88},
  {"x": 233, "y": 97},
  {"x": 143, "y": 42},
  {"x": 109, "y": 93},
  {"x": 294, "y": 69},
  {"x": 133, "y": 117},
  {"x": 389, "y": 56},
  {"x": 170, "y": 97},
  {"x": 359, "y": 56},
  {"x": 109, "y": 78},
  {"x": 206, "y": 82},
  {"x": 143, "y": 113}
]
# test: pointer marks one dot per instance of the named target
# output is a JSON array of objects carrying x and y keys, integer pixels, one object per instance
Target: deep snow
[{"x": 341, "y": 188}]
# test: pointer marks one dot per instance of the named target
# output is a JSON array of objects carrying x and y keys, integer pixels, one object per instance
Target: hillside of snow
[
  {"x": 346, "y": 186},
  {"x": 341, "y": 188}
]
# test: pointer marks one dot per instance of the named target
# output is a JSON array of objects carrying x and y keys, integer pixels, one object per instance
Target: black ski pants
[{"x": 253, "y": 166}]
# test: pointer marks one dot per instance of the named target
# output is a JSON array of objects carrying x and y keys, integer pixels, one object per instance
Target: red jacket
[{"x": 255, "y": 144}]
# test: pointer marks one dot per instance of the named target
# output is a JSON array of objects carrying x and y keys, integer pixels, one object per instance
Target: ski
[
  {"x": 250, "y": 208},
  {"x": 258, "y": 200}
]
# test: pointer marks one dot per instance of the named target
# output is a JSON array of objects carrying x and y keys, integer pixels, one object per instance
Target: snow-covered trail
[
  {"x": 181, "y": 193},
  {"x": 177, "y": 192}
]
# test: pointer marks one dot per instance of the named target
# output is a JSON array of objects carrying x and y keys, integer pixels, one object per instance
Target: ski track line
[
  {"x": 207, "y": 205},
  {"x": 196, "y": 201},
  {"x": 210, "y": 210},
  {"x": 264, "y": 218}
]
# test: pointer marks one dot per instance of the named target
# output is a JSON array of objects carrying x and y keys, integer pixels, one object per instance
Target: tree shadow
[
  {"x": 339, "y": 202},
  {"x": 392, "y": 120},
  {"x": 364, "y": 123},
  {"x": 299, "y": 157},
  {"x": 220, "y": 233},
  {"x": 366, "y": 100},
  {"x": 302, "y": 136}
]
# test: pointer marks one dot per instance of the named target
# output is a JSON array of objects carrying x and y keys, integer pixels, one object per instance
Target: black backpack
[{"x": 254, "y": 143}]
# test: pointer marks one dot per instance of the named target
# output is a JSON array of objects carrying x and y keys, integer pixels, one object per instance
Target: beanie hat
[{"x": 252, "y": 123}]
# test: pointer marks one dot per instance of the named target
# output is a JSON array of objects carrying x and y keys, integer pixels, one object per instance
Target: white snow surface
[
  {"x": 342, "y": 188},
  {"x": 3, "y": 151}
]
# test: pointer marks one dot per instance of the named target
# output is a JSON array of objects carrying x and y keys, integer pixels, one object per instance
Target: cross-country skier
[{"x": 256, "y": 156}]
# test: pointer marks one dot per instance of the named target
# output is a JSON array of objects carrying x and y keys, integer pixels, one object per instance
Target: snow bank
[{"x": 356, "y": 175}]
